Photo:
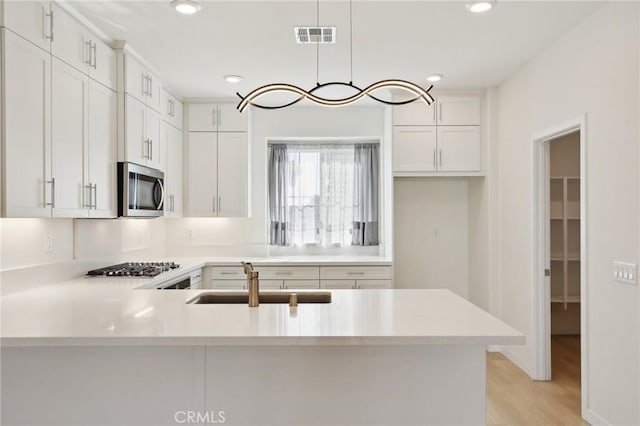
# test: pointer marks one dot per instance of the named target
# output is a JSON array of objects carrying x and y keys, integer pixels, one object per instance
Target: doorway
[{"x": 559, "y": 257}]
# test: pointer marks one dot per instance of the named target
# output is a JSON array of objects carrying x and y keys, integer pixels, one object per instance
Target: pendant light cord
[
  {"x": 318, "y": 43},
  {"x": 351, "y": 38}
]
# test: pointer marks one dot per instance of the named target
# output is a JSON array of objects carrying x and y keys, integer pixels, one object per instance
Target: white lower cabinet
[
  {"x": 338, "y": 284},
  {"x": 304, "y": 277}
]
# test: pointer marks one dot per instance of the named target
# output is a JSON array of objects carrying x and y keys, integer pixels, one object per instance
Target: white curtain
[{"x": 311, "y": 194}]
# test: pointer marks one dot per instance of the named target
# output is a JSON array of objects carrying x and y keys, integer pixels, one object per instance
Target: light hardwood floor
[{"x": 514, "y": 399}]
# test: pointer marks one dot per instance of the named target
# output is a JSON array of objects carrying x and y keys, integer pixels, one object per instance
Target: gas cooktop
[{"x": 134, "y": 269}]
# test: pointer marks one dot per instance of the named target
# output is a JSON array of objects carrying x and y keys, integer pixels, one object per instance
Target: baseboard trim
[
  {"x": 517, "y": 361},
  {"x": 593, "y": 419}
]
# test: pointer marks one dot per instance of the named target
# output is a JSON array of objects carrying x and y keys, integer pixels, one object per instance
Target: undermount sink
[{"x": 226, "y": 298}]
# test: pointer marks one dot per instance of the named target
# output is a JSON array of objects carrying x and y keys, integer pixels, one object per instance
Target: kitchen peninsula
[{"x": 85, "y": 351}]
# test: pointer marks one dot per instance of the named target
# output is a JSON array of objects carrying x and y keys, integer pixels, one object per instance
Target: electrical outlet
[
  {"x": 48, "y": 243},
  {"x": 189, "y": 234},
  {"x": 624, "y": 272}
]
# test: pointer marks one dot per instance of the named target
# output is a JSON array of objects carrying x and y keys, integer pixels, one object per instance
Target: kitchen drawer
[
  {"x": 301, "y": 284},
  {"x": 229, "y": 284},
  {"x": 288, "y": 272},
  {"x": 355, "y": 273},
  {"x": 338, "y": 284},
  {"x": 228, "y": 273},
  {"x": 373, "y": 284},
  {"x": 270, "y": 284}
]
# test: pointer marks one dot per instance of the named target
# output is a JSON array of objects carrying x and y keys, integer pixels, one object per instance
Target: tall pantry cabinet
[{"x": 59, "y": 110}]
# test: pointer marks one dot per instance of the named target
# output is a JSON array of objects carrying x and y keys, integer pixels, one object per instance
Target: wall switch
[
  {"x": 624, "y": 272},
  {"x": 48, "y": 243}
]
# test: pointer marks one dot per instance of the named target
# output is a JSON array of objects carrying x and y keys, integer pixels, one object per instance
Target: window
[{"x": 323, "y": 195}]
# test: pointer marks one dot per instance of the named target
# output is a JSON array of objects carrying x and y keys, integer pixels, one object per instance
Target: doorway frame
[{"x": 541, "y": 257}]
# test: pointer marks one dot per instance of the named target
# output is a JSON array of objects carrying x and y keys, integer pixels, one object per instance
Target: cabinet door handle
[
  {"x": 89, "y": 50},
  {"x": 214, "y": 119},
  {"x": 94, "y": 56},
  {"x": 53, "y": 192},
  {"x": 219, "y": 117},
  {"x": 50, "y": 16},
  {"x": 434, "y": 158},
  {"x": 219, "y": 205},
  {"x": 214, "y": 204},
  {"x": 434, "y": 113},
  {"x": 151, "y": 149},
  {"x": 440, "y": 112},
  {"x": 95, "y": 196},
  {"x": 440, "y": 154},
  {"x": 90, "y": 204},
  {"x": 151, "y": 86}
]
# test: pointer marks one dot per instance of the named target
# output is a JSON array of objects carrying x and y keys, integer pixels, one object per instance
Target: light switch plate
[{"x": 624, "y": 272}]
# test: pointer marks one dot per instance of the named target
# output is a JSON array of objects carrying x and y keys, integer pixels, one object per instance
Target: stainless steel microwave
[{"x": 140, "y": 191}]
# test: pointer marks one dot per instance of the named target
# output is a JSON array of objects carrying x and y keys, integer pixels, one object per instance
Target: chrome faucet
[{"x": 253, "y": 284}]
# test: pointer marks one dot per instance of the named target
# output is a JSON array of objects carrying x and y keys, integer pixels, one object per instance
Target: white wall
[
  {"x": 592, "y": 70},
  {"x": 23, "y": 242},
  {"x": 113, "y": 240},
  {"x": 231, "y": 236},
  {"x": 431, "y": 233}
]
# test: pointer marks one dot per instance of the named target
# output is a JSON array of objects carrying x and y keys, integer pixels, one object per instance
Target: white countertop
[{"x": 77, "y": 314}]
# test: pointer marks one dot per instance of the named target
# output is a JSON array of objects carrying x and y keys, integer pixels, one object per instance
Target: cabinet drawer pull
[
  {"x": 355, "y": 273},
  {"x": 283, "y": 273},
  {"x": 93, "y": 56},
  {"x": 229, "y": 273}
]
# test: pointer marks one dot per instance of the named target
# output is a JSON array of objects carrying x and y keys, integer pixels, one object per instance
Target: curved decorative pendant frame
[{"x": 418, "y": 94}]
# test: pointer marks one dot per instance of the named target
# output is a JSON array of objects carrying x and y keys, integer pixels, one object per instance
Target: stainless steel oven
[{"x": 140, "y": 191}]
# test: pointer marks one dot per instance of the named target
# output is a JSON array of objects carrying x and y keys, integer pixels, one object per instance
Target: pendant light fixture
[{"x": 416, "y": 92}]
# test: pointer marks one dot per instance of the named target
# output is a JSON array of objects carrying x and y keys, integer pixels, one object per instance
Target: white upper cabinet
[
  {"x": 171, "y": 109},
  {"x": 69, "y": 97},
  {"x": 31, "y": 19},
  {"x": 458, "y": 110},
  {"x": 26, "y": 89},
  {"x": 458, "y": 148},
  {"x": 230, "y": 119},
  {"x": 441, "y": 139},
  {"x": 100, "y": 173},
  {"x": 172, "y": 144},
  {"x": 142, "y": 134},
  {"x": 77, "y": 46},
  {"x": 202, "y": 174},
  {"x": 217, "y": 174},
  {"x": 414, "y": 148},
  {"x": 415, "y": 114},
  {"x": 142, "y": 83},
  {"x": 232, "y": 174},
  {"x": 216, "y": 117}
]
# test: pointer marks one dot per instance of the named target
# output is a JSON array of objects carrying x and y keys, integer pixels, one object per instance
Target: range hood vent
[{"x": 313, "y": 35}]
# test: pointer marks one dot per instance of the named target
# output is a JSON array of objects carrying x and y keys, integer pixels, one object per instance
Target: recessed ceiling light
[
  {"x": 186, "y": 7},
  {"x": 480, "y": 6},
  {"x": 434, "y": 77},
  {"x": 233, "y": 78}
]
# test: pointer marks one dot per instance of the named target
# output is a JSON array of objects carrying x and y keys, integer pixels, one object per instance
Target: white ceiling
[{"x": 391, "y": 39}]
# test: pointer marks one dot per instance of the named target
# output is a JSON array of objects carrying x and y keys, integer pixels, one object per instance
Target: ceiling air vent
[{"x": 313, "y": 35}]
